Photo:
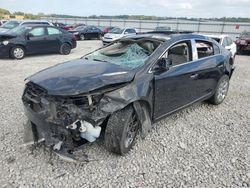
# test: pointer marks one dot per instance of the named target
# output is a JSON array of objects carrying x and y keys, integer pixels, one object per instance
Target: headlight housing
[{"x": 5, "y": 42}]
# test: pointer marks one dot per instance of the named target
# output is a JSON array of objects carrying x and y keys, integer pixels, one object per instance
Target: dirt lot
[{"x": 203, "y": 146}]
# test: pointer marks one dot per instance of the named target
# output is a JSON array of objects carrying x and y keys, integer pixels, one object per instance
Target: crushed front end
[{"x": 62, "y": 122}]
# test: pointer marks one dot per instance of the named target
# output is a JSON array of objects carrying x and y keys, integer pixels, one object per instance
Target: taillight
[{"x": 74, "y": 37}]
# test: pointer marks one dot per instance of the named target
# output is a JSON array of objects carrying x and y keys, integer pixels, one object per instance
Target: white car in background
[
  {"x": 226, "y": 42},
  {"x": 117, "y": 33}
]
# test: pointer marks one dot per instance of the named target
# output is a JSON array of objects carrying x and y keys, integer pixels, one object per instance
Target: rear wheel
[
  {"x": 221, "y": 90},
  {"x": 121, "y": 131},
  {"x": 17, "y": 52},
  {"x": 65, "y": 49}
]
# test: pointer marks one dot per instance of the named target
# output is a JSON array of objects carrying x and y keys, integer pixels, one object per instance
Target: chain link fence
[{"x": 205, "y": 27}]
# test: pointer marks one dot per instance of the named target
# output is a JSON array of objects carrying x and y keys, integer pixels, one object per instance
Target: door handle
[{"x": 193, "y": 76}]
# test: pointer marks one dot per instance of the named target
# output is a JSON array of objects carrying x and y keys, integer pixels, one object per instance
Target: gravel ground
[{"x": 203, "y": 146}]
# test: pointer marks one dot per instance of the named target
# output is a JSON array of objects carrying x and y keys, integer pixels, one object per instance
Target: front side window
[
  {"x": 53, "y": 31},
  {"x": 127, "y": 54},
  {"x": 204, "y": 49},
  {"x": 37, "y": 32},
  {"x": 180, "y": 53}
]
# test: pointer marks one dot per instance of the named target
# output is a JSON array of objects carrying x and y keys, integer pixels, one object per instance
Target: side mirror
[
  {"x": 162, "y": 65},
  {"x": 126, "y": 33},
  {"x": 29, "y": 35}
]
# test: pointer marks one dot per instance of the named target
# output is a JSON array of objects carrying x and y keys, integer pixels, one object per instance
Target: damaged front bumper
[{"x": 62, "y": 123}]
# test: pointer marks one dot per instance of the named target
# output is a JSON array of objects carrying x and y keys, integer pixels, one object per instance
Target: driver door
[{"x": 174, "y": 88}]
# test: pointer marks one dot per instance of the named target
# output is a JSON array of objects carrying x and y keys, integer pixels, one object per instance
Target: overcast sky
[{"x": 170, "y": 8}]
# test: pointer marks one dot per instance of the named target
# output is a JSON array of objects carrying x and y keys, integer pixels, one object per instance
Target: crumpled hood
[
  {"x": 4, "y": 36},
  {"x": 80, "y": 76}
]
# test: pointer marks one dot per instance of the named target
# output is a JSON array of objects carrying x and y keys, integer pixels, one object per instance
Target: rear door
[
  {"x": 208, "y": 65},
  {"x": 54, "y": 37},
  {"x": 36, "y": 40}
]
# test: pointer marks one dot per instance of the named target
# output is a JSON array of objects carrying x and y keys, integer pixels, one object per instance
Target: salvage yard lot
[{"x": 203, "y": 145}]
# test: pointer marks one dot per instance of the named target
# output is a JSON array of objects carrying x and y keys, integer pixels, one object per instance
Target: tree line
[{"x": 134, "y": 17}]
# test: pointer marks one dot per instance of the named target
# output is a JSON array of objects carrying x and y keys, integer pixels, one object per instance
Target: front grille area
[{"x": 32, "y": 96}]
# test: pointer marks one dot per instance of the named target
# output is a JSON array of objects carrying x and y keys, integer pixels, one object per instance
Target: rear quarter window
[{"x": 204, "y": 49}]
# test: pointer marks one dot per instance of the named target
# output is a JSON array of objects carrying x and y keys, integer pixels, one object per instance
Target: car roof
[
  {"x": 216, "y": 36},
  {"x": 165, "y": 37}
]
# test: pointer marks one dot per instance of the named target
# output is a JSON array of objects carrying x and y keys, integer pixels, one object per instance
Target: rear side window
[
  {"x": 204, "y": 49},
  {"x": 53, "y": 31},
  {"x": 37, "y": 32}
]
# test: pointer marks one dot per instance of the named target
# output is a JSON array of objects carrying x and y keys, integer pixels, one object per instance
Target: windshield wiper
[
  {"x": 99, "y": 60},
  {"x": 96, "y": 59}
]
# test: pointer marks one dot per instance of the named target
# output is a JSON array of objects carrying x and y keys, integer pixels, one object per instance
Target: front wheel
[
  {"x": 121, "y": 131},
  {"x": 17, "y": 52},
  {"x": 221, "y": 91},
  {"x": 65, "y": 49}
]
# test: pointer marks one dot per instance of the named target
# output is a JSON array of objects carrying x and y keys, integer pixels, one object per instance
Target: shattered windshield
[{"x": 128, "y": 54}]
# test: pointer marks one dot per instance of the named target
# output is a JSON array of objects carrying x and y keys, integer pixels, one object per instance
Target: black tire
[
  {"x": 221, "y": 91},
  {"x": 100, "y": 37},
  {"x": 17, "y": 52},
  {"x": 65, "y": 49},
  {"x": 82, "y": 37},
  {"x": 121, "y": 131}
]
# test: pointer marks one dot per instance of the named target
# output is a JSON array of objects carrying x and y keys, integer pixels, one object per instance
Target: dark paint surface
[
  {"x": 80, "y": 76},
  {"x": 153, "y": 94},
  {"x": 162, "y": 92},
  {"x": 35, "y": 45}
]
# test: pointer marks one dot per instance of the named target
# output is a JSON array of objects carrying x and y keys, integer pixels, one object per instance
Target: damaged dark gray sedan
[{"x": 122, "y": 89}]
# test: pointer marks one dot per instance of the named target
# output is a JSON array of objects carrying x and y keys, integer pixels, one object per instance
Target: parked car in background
[
  {"x": 163, "y": 28},
  {"x": 35, "y": 39},
  {"x": 243, "y": 43},
  {"x": 73, "y": 26},
  {"x": 117, "y": 33},
  {"x": 87, "y": 32},
  {"x": 107, "y": 29},
  {"x": 122, "y": 89},
  {"x": 14, "y": 23},
  {"x": 58, "y": 24},
  {"x": 226, "y": 42},
  {"x": 2, "y": 22}
]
